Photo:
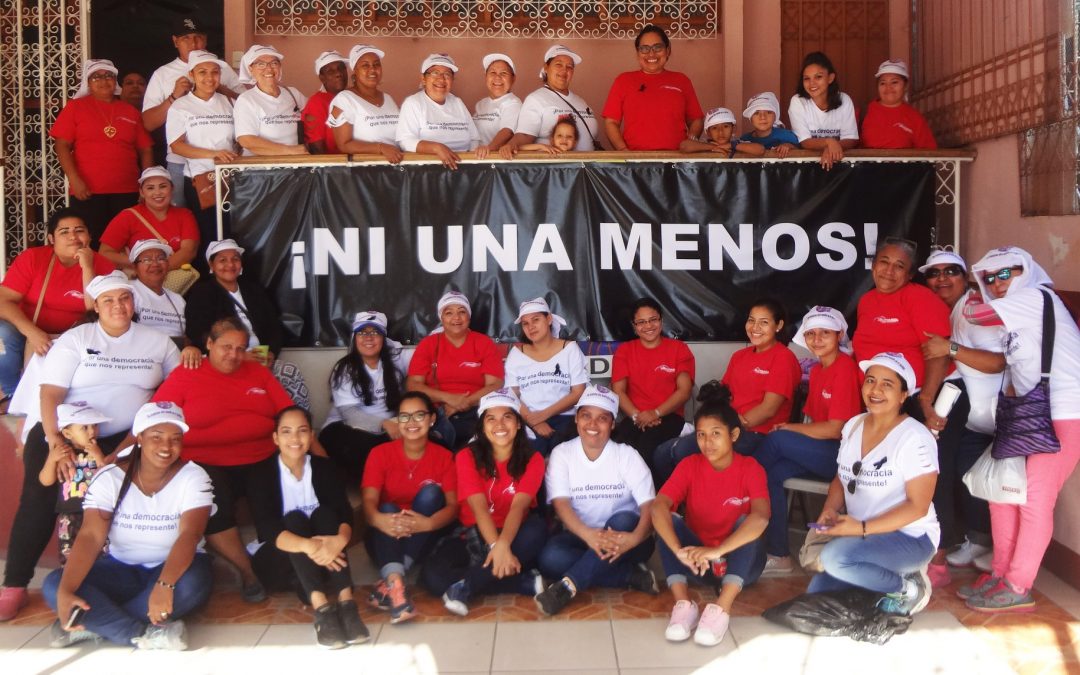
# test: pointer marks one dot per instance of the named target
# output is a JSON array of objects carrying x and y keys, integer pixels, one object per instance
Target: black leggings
[
  {"x": 350, "y": 447},
  {"x": 281, "y": 571}
]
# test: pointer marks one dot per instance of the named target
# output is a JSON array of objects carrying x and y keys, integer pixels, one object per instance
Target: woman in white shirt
[
  {"x": 267, "y": 116},
  {"x": 497, "y": 115},
  {"x": 545, "y": 106},
  {"x": 363, "y": 117},
  {"x": 433, "y": 121},
  {"x": 822, "y": 117},
  {"x": 888, "y": 469},
  {"x": 151, "y": 507},
  {"x": 547, "y": 373}
]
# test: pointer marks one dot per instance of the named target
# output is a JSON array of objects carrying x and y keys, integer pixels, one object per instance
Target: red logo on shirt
[
  {"x": 886, "y": 319},
  {"x": 256, "y": 391}
]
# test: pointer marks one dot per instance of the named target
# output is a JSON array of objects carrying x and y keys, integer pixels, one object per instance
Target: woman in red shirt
[
  {"x": 173, "y": 224},
  {"x": 890, "y": 122}
]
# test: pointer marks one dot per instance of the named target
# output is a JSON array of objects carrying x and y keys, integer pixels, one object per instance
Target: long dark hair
[
  {"x": 484, "y": 454},
  {"x": 820, "y": 59},
  {"x": 350, "y": 369}
]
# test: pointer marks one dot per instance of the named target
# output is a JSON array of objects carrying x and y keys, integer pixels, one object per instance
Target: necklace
[
  {"x": 109, "y": 129},
  {"x": 161, "y": 483}
]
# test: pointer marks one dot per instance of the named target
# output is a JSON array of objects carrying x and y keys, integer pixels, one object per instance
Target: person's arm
[
  {"x": 620, "y": 388},
  {"x": 513, "y": 145},
  {"x": 672, "y": 404},
  {"x": 919, "y": 491},
  {"x": 500, "y": 139},
  {"x": 502, "y": 560},
  {"x": 51, "y": 397},
  {"x": 183, "y": 255},
  {"x": 696, "y": 126},
  {"x": 828, "y": 430},
  {"x": 558, "y": 407},
  {"x": 118, "y": 258},
  {"x": 47, "y": 475},
  {"x": 834, "y": 503},
  {"x": 622, "y": 542},
  {"x": 325, "y": 550},
  {"x": 263, "y": 147},
  {"x": 146, "y": 157},
  {"x": 750, "y": 148},
  {"x": 10, "y": 311},
  {"x": 181, "y": 147},
  {"x": 614, "y": 134},
  {"x": 491, "y": 383},
  {"x": 65, "y": 155},
  {"x": 663, "y": 523},
  {"x": 764, "y": 411},
  {"x": 832, "y": 149},
  {"x": 383, "y": 522},
  {"x": 419, "y": 383},
  {"x": 85, "y": 550},
  {"x": 593, "y": 538},
  {"x": 448, "y": 157},
  {"x": 192, "y": 525},
  {"x": 418, "y": 522},
  {"x": 539, "y": 147},
  {"x": 933, "y": 376},
  {"x": 343, "y": 137},
  {"x": 752, "y": 527},
  {"x": 154, "y": 118},
  {"x": 688, "y": 145},
  {"x": 980, "y": 359}
]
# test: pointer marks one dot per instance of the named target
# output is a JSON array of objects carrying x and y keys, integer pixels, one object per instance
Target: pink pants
[{"x": 1023, "y": 532}]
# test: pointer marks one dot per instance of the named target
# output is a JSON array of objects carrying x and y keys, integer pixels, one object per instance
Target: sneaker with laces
[
  {"x": 684, "y": 617},
  {"x": 171, "y": 635},
  {"x": 554, "y": 598},
  {"x": 911, "y": 599},
  {"x": 456, "y": 598},
  {"x": 380, "y": 597},
  {"x": 985, "y": 562},
  {"x": 779, "y": 566},
  {"x": 712, "y": 627},
  {"x": 328, "y": 631},
  {"x": 1002, "y": 598},
  {"x": 965, "y": 554},
  {"x": 401, "y": 607},
  {"x": 642, "y": 579},
  {"x": 12, "y": 599},
  {"x": 58, "y": 637},
  {"x": 352, "y": 626},
  {"x": 981, "y": 585},
  {"x": 939, "y": 575}
]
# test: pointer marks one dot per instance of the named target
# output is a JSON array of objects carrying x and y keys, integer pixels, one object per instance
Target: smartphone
[
  {"x": 77, "y": 614},
  {"x": 817, "y": 527}
]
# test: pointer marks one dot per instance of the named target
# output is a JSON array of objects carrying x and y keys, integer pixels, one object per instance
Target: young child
[
  {"x": 564, "y": 138},
  {"x": 763, "y": 111},
  {"x": 720, "y": 130},
  {"x": 78, "y": 425}
]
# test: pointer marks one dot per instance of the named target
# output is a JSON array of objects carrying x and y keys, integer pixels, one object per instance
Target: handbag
[
  {"x": 178, "y": 281},
  {"x": 810, "y": 552},
  {"x": 1002, "y": 481},
  {"x": 205, "y": 189},
  {"x": 1022, "y": 424}
]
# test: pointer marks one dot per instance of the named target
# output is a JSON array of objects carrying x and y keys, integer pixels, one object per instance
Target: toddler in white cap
[{"x": 763, "y": 111}]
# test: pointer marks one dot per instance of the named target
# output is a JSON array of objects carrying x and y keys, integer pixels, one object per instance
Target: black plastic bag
[{"x": 851, "y": 612}]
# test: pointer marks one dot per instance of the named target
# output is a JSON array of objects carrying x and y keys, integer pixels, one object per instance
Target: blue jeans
[
  {"x": 452, "y": 561},
  {"x": 12, "y": 344},
  {"x": 394, "y": 556},
  {"x": 565, "y": 555},
  {"x": 545, "y": 445},
  {"x": 669, "y": 453},
  {"x": 744, "y": 564},
  {"x": 787, "y": 454},
  {"x": 876, "y": 563},
  {"x": 119, "y": 594}
]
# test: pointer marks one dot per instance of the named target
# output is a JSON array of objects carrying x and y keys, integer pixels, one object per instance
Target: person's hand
[
  {"x": 619, "y": 543},
  {"x": 455, "y": 402},
  {"x": 387, "y": 523},
  {"x": 502, "y": 561},
  {"x": 781, "y": 426},
  {"x": 413, "y": 522},
  {"x": 934, "y": 422},
  {"x": 299, "y": 149},
  {"x": 181, "y": 86},
  {"x": 327, "y": 551},
  {"x": 79, "y": 189},
  {"x": 550, "y": 149},
  {"x": 65, "y": 603},
  {"x": 646, "y": 418},
  {"x": 783, "y": 150},
  {"x": 448, "y": 157},
  {"x": 596, "y": 539},
  {"x": 39, "y": 341},
  {"x": 160, "y": 604},
  {"x": 935, "y": 346},
  {"x": 191, "y": 357},
  {"x": 531, "y": 417},
  {"x": 827, "y": 517},
  {"x": 391, "y": 153},
  {"x": 482, "y": 151},
  {"x": 692, "y": 558},
  {"x": 831, "y": 154},
  {"x": 392, "y": 429},
  {"x": 844, "y": 526},
  {"x": 724, "y": 148},
  {"x": 225, "y": 156},
  {"x": 507, "y": 151},
  {"x": 85, "y": 258},
  {"x": 543, "y": 430}
]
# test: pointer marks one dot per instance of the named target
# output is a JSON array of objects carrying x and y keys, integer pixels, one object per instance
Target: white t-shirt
[
  {"x": 350, "y": 407},
  {"x": 495, "y": 114},
  {"x": 422, "y": 119},
  {"x": 206, "y": 124},
  {"x": 297, "y": 494},
  {"x": 982, "y": 388},
  {"x": 617, "y": 481},
  {"x": 164, "y": 312},
  {"x": 543, "y": 108},
  {"x": 144, "y": 529},
  {"x": 810, "y": 121},
  {"x": 161, "y": 84},
  {"x": 241, "y": 313},
  {"x": 116, "y": 374},
  {"x": 274, "y": 119},
  {"x": 540, "y": 384},
  {"x": 909, "y": 451},
  {"x": 370, "y": 123}
]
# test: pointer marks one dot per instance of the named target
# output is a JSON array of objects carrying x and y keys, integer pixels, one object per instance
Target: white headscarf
[
  {"x": 1022, "y": 303},
  {"x": 91, "y": 66},
  {"x": 254, "y": 52}
]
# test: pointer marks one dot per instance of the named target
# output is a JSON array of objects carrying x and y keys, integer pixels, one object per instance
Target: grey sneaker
[
  {"x": 1000, "y": 599},
  {"x": 906, "y": 605},
  {"x": 984, "y": 583},
  {"x": 58, "y": 637},
  {"x": 171, "y": 635}
]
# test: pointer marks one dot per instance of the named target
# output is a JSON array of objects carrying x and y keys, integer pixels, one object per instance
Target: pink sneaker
[
  {"x": 712, "y": 627},
  {"x": 12, "y": 599},
  {"x": 939, "y": 575},
  {"x": 684, "y": 616}
]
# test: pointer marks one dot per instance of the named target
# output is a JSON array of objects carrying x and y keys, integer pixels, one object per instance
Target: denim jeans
[
  {"x": 669, "y": 453},
  {"x": 744, "y": 564},
  {"x": 279, "y": 570},
  {"x": 119, "y": 594},
  {"x": 876, "y": 563},
  {"x": 787, "y": 454},
  {"x": 566, "y": 555},
  {"x": 451, "y": 562},
  {"x": 545, "y": 445},
  {"x": 12, "y": 344},
  {"x": 394, "y": 556}
]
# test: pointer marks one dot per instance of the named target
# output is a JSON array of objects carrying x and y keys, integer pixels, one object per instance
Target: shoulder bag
[{"x": 180, "y": 280}]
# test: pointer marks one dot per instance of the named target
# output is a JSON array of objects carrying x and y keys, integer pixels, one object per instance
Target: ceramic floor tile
[
  {"x": 35, "y": 656},
  {"x": 641, "y": 644},
  {"x": 13, "y": 637},
  {"x": 594, "y": 671},
  {"x": 451, "y": 647},
  {"x": 554, "y": 645}
]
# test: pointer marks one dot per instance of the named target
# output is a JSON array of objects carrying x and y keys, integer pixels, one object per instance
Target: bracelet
[
  {"x": 172, "y": 98},
  {"x": 171, "y": 587},
  {"x": 864, "y": 529}
]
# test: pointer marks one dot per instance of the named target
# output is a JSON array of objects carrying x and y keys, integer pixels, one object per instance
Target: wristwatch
[{"x": 954, "y": 349}]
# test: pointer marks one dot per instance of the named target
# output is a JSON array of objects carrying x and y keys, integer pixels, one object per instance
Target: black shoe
[
  {"x": 642, "y": 579},
  {"x": 352, "y": 627},
  {"x": 554, "y": 598},
  {"x": 328, "y": 631},
  {"x": 253, "y": 592}
]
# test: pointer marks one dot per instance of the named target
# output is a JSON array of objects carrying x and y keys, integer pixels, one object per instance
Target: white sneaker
[
  {"x": 171, "y": 635},
  {"x": 966, "y": 553},
  {"x": 684, "y": 616},
  {"x": 779, "y": 566},
  {"x": 985, "y": 562}
]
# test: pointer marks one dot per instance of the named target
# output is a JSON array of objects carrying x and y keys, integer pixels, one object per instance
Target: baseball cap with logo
[
  {"x": 895, "y": 362},
  {"x": 186, "y": 25},
  {"x": 157, "y": 413},
  {"x": 893, "y": 66},
  {"x": 369, "y": 318},
  {"x": 719, "y": 116},
  {"x": 599, "y": 397},
  {"x": 497, "y": 398},
  {"x": 78, "y": 412},
  {"x": 433, "y": 60},
  {"x": 147, "y": 245},
  {"x": 943, "y": 258},
  {"x": 492, "y": 58}
]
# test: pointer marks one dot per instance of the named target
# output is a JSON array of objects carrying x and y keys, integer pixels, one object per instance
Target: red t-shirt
[
  {"x": 314, "y": 116},
  {"x": 64, "y": 304},
  {"x": 835, "y": 392},
  {"x": 895, "y": 128},
  {"x": 231, "y": 416},
  {"x": 108, "y": 165},
  {"x": 897, "y": 322},
  {"x": 750, "y": 375},
  {"x": 458, "y": 370},
  {"x": 398, "y": 478},
  {"x": 651, "y": 373},
  {"x": 715, "y": 500},
  {"x": 655, "y": 109},
  {"x": 125, "y": 229},
  {"x": 498, "y": 491}
]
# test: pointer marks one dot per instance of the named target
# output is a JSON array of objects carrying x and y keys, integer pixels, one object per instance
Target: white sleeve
[
  {"x": 917, "y": 453},
  {"x": 510, "y": 368},
  {"x": 508, "y": 118},
  {"x": 62, "y": 361},
  {"x": 474, "y": 133},
  {"x": 531, "y": 116},
  {"x": 156, "y": 91},
  {"x": 796, "y": 115},
  {"x": 849, "y": 129},
  {"x": 198, "y": 491},
  {"x": 104, "y": 487},
  {"x": 245, "y": 117},
  {"x": 557, "y": 475},
  {"x": 579, "y": 374},
  {"x": 171, "y": 360},
  {"x": 410, "y": 118},
  {"x": 347, "y": 116},
  {"x": 636, "y": 474},
  {"x": 176, "y": 121}
]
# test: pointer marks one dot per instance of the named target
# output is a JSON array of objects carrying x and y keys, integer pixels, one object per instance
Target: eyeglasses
[
  {"x": 150, "y": 261},
  {"x": 641, "y": 323},
  {"x": 655, "y": 49},
  {"x": 418, "y": 416},
  {"x": 263, "y": 65},
  {"x": 950, "y": 271},
  {"x": 368, "y": 332},
  {"x": 439, "y": 75},
  {"x": 1002, "y": 275},
  {"x": 856, "y": 468},
  {"x": 98, "y": 77}
]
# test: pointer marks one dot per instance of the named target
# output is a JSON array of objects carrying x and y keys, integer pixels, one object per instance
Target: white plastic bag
[{"x": 1003, "y": 481}]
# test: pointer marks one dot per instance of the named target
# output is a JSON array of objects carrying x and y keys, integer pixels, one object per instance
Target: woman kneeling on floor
[
  {"x": 304, "y": 522},
  {"x": 720, "y": 539}
]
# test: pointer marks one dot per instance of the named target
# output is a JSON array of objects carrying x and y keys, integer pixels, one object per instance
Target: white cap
[
  {"x": 197, "y": 56},
  {"x": 91, "y": 66},
  {"x": 540, "y": 305},
  {"x": 497, "y": 398},
  {"x": 438, "y": 60},
  {"x": 827, "y": 318},
  {"x": 719, "y": 116},
  {"x": 222, "y": 245},
  {"x": 944, "y": 257},
  {"x": 328, "y": 57},
  {"x": 599, "y": 397},
  {"x": 492, "y": 58},
  {"x": 369, "y": 318},
  {"x": 157, "y": 413},
  {"x": 894, "y": 66},
  {"x": 151, "y": 171},
  {"x": 359, "y": 50},
  {"x": 108, "y": 282},
  {"x": 453, "y": 298},
  {"x": 254, "y": 52},
  {"x": 895, "y": 362},
  {"x": 146, "y": 245},
  {"x": 78, "y": 412},
  {"x": 560, "y": 50},
  {"x": 766, "y": 100}
]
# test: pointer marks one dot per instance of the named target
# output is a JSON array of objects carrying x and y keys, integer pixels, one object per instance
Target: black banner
[{"x": 702, "y": 238}]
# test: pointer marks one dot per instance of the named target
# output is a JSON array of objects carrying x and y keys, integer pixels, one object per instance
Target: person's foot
[
  {"x": 401, "y": 607},
  {"x": 1002, "y": 598},
  {"x": 939, "y": 575},
  {"x": 171, "y": 635},
  {"x": 911, "y": 599},
  {"x": 984, "y": 583},
  {"x": 965, "y": 554},
  {"x": 456, "y": 598},
  {"x": 12, "y": 599},
  {"x": 712, "y": 627},
  {"x": 352, "y": 626},
  {"x": 253, "y": 591},
  {"x": 642, "y": 579},
  {"x": 554, "y": 598},
  {"x": 328, "y": 632},
  {"x": 779, "y": 566},
  {"x": 684, "y": 616},
  {"x": 985, "y": 562},
  {"x": 380, "y": 597},
  {"x": 58, "y": 637}
]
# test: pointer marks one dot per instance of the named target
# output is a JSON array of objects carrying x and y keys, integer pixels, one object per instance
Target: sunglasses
[
  {"x": 856, "y": 469},
  {"x": 1002, "y": 275},
  {"x": 418, "y": 416},
  {"x": 950, "y": 271}
]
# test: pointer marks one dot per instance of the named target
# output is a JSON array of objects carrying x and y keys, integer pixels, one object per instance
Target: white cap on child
[
  {"x": 766, "y": 100},
  {"x": 719, "y": 116},
  {"x": 78, "y": 412}
]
